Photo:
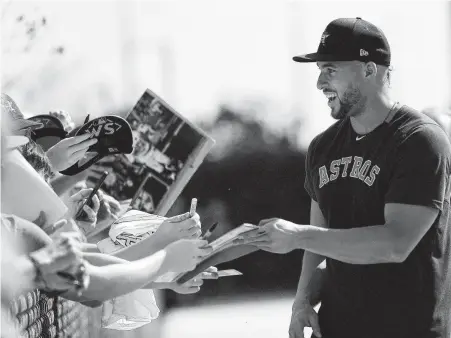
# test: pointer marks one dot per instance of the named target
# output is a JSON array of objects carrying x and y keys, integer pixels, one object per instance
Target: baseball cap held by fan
[
  {"x": 114, "y": 136},
  {"x": 51, "y": 132}
]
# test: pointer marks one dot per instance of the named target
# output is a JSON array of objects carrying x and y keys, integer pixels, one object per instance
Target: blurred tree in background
[
  {"x": 250, "y": 175},
  {"x": 25, "y": 46}
]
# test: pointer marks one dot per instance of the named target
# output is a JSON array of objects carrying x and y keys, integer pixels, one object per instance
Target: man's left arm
[
  {"x": 391, "y": 242},
  {"x": 417, "y": 190},
  {"x": 416, "y": 193}
]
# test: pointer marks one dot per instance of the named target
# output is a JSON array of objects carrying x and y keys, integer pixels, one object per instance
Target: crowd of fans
[{"x": 54, "y": 257}]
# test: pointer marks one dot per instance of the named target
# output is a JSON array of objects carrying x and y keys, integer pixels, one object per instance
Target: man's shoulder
[
  {"x": 415, "y": 129},
  {"x": 410, "y": 121}
]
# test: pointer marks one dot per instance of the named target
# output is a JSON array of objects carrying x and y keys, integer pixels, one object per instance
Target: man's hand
[
  {"x": 89, "y": 219},
  {"x": 274, "y": 235},
  {"x": 69, "y": 151},
  {"x": 303, "y": 316},
  {"x": 179, "y": 227},
  {"x": 185, "y": 254}
]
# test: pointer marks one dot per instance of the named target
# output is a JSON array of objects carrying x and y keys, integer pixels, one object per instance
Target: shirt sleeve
[
  {"x": 422, "y": 169},
  {"x": 308, "y": 182}
]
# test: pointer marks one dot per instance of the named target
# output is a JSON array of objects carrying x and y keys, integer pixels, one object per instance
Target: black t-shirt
[{"x": 406, "y": 159}]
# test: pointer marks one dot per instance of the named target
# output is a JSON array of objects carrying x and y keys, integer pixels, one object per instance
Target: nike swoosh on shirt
[{"x": 358, "y": 138}]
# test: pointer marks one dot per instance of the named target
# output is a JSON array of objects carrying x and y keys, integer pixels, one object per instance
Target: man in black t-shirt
[{"x": 379, "y": 180}]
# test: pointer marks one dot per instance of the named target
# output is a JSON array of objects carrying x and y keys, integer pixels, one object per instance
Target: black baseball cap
[
  {"x": 51, "y": 132},
  {"x": 351, "y": 39},
  {"x": 114, "y": 136}
]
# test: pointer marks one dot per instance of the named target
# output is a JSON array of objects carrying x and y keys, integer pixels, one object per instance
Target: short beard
[{"x": 350, "y": 104}]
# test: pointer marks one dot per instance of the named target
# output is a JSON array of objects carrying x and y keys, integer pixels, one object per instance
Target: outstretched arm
[
  {"x": 113, "y": 280},
  {"x": 391, "y": 242},
  {"x": 112, "y": 277},
  {"x": 418, "y": 190}
]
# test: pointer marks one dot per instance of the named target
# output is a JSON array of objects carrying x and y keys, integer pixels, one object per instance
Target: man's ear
[{"x": 369, "y": 70}]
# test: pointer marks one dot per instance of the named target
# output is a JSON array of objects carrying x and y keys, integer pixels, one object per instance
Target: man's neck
[{"x": 373, "y": 114}]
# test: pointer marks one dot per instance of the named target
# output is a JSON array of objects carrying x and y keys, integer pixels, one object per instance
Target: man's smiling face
[{"x": 339, "y": 82}]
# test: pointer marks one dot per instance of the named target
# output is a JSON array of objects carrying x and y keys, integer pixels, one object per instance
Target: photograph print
[{"x": 167, "y": 150}]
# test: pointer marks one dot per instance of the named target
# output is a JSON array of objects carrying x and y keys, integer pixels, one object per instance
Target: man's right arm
[{"x": 313, "y": 267}]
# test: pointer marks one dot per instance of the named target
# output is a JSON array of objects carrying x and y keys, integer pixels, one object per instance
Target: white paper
[
  {"x": 130, "y": 311},
  {"x": 227, "y": 239}
]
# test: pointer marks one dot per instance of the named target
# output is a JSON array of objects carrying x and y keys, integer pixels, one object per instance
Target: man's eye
[{"x": 331, "y": 71}]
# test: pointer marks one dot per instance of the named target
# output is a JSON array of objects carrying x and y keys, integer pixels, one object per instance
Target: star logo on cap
[{"x": 324, "y": 37}]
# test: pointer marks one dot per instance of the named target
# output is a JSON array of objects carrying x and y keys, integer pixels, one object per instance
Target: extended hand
[
  {"x": 185, "y": 254},
  {"x": 274, "y": 235},
  {"x": 69, "y": 151}
]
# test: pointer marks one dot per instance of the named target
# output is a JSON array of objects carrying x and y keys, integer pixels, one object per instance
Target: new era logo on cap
[{"x": 350, "y": 39}]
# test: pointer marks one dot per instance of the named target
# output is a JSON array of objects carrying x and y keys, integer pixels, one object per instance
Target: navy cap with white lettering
[
  {"x": 349, "y": 39},
  {"x": 114, "y": 136},
  {"x": 113, "y": 133}
]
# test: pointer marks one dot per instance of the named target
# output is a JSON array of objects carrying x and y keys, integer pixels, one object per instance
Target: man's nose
[{"x": 321, "y": 83}]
